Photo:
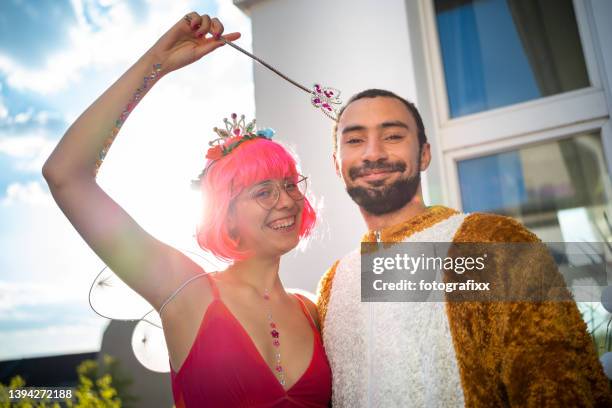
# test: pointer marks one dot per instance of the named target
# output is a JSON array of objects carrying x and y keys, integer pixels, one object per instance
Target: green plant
[
  {"x": 110, "y": 366},
  {"x": 98, "y": 387}
]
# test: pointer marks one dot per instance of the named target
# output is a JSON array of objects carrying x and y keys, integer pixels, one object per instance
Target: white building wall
[{"x": 351, "y": 45}]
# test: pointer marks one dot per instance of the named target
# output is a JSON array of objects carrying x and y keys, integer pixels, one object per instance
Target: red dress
[{"x": 225, "y": 369}]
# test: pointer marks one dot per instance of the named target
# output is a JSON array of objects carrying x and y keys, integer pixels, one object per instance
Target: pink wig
[{"x": 250, "y": 163}]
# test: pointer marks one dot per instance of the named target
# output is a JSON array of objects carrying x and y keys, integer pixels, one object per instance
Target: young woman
[{"x": 236, "y": 337}]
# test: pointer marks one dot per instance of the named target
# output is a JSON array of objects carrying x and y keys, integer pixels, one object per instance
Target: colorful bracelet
[{"x": 148, "y": 81}]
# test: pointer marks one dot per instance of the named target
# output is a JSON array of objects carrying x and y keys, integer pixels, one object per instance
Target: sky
[{"x": 56, "y": 58}]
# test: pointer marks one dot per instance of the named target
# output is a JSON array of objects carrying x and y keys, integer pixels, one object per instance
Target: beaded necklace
[{"x": 280, "y": 374}]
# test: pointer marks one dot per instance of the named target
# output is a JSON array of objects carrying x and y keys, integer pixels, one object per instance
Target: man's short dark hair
[{"x": 373, "y": 93}]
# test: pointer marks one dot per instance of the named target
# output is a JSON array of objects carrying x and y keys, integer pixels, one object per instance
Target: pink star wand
[{"x": 324, "y": 98}]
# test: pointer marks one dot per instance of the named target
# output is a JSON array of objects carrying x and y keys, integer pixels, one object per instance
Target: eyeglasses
[{"x": 267, "y": 193}]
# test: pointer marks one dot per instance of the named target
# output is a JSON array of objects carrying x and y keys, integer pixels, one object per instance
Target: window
[
  {"x": 501, "y": 52},
  {"x": 558, "y": 189}
]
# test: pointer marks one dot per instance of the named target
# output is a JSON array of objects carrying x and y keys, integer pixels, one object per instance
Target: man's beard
[{"x": 379, "y": 201}]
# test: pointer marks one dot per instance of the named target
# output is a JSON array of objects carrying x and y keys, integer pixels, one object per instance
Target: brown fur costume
[{"x": 519, "y": 354}]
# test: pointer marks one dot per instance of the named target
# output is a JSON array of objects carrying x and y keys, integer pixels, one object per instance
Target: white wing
[{"x": 111, "y": 298}]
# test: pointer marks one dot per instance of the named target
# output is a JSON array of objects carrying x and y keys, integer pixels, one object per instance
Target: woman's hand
[{"x": 189, "y": 40}]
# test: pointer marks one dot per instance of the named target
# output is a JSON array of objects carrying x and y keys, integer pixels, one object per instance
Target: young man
[{"x": 440, "y": 354}]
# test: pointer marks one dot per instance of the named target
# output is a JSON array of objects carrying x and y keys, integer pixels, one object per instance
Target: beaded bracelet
[{"x": 148, "y": 81}]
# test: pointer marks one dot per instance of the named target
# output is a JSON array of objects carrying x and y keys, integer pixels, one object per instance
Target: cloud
[
  {"x": 31, "y": 118},
  {"x": 25, "y": 140},
  {"x": 40, "y": 246},
  {"x": 42, "y": 117},
  {"x": 15, "y": 296},
  {"x": 4, "y": 113},
  {"x": 30, "y": 30},
  {"x": 46, "y": 272},
  {"x": 25, "y": 120},
  {"x": 105, "y": 36},
  {"x": 23, "y": 146},
  {"x": 56, "y": 339},
  {"x": 27, "y": 152},
  {"x": 23, "y": 117},
  {"x": 30, "y": 193}
]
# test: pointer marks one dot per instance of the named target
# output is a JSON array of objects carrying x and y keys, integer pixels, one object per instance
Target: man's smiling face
[{"x": 378, "y": 154}]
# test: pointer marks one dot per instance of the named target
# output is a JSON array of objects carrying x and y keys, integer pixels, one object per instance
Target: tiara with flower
[{"x": 236, "y": 132}]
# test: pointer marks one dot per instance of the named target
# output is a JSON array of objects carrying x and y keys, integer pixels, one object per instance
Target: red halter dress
[{"x": 225, "y": 369}]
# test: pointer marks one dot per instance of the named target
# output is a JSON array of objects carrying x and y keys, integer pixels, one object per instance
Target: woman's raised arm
[{"x": 148, "y": 266}]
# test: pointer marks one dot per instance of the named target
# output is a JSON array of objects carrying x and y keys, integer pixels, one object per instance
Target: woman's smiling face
[{"x": 264, "y": 224}]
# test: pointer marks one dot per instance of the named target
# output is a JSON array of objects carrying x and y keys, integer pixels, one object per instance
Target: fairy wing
[{"x": 111, "y": 298}]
